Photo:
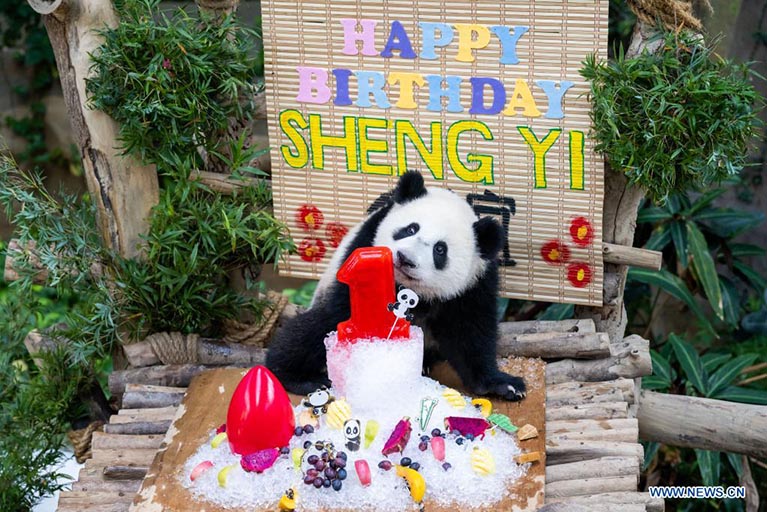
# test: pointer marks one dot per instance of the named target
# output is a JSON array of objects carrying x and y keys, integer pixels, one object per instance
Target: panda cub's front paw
[{"x": 506, "y": 386}]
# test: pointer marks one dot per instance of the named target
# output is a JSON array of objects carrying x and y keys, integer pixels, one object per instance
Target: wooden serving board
[{"x": 207, "y": 399}]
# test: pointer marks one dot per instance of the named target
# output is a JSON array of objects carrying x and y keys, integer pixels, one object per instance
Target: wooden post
[{"x": 123, "y": 189}]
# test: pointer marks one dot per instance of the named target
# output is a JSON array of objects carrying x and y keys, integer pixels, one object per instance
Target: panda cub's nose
[{"x": 404, "y": 260}]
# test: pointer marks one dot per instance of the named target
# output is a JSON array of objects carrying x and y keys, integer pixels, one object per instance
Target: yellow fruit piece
[
  {"x": 224, "y": 473},
  {"x": 415, "y": 482},
  {"x": 484, "y": 405},
  {"x": 338, "y": 412},
  {"x": 371, "y": 431},
  {"x": 297, "y": 454},
  {"x": 220, "y": 438},
  {"x": 306, "y": 418},
  {"x": 288, "y": 500},
  {"x": 527, "y": 432},
  {"x": 482, "y": 462},
  {"x": 454, "y": 398}
]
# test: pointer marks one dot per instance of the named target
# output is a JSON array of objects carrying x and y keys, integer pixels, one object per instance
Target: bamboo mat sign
[{"x": 482, "y": 97}]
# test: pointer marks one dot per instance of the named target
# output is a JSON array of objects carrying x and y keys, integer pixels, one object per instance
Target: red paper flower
[
  {"x": 555, "y": 252},
  {"x": 311, "y": 249},
  {"x": 579, "y": 274},
  {"x": 309, "y": 217},
  {"x": 581, "y": 231},
  {"x": 335, "y": 231}
]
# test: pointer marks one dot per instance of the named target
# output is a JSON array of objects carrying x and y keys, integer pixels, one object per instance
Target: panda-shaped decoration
[{"x": 442, "y": 252}]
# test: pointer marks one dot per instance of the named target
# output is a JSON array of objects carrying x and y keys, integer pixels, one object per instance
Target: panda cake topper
[{"x": 407, "y": 299}]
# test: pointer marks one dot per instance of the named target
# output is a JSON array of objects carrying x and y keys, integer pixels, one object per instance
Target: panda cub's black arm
[{"x": 466, "y": 333}]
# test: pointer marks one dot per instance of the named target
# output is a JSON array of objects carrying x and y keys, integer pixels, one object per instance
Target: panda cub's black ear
[
  {"x": 410, "y": 186},
  {"x": 489, "y": 235}
]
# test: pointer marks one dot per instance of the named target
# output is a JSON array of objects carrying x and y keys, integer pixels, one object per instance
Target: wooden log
[
  {"x": 125, "y": 486},
  {"x": 616, "y": 499},
  {"x": 574, "y": 393},
  {"x": 551, "y": 345},
  {"x": 167, "y": 375},
  {"x": 146, "y": 395},
  {"x": 92, "y": 500},
  {"x": 135, "y": 415},
  {"x": 694, "y": 422},
  {"x": 138, "y": 428},
  {"x": 65, "y": 506},
  {"x": 124, "y": 456},
  {"x": 123, "y": 190},
  {"x": 608, "y": 410},
  {"x": 125, "y": 472},
  {"x": 569, "y": 506},
  {"x": 105, "y": 441},
  {"x": 586, "y": 486},
  {"x": 562, "y": 452},
  {"x": 582, "y": 325},
  {"x": 631, "y": 256},
  {"x": 603, "y": 467},
  {"x": 563, "y": 426},
  {"x": 628, "y": 359},
  {"x": 622, "y": 435},
  {"x": 209, "y": 352}
]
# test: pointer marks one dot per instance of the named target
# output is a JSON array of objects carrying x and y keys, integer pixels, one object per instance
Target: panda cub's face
[{"x": 433, "y": 243}]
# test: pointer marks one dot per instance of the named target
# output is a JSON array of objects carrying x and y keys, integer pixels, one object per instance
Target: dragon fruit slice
[
  {"x": 399, "y": 438},
  {"x": 467, "y": 426},
  {"x": 259, "y": 461}
]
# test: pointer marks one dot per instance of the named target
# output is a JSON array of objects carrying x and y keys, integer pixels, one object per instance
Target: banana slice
[
  {"x": 482, "y": 461},
  {"x": 415, "y": 482},
  {"x": 338, "y": 412},
  {"x": 224, "y": 473},
  {"x": 484, "y": 405}
]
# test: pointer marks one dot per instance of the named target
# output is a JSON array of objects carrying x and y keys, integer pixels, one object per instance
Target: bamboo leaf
[
  {"x": 729, "y": 371},
  {"x": 679, "y": 236},
  {"x": 743, "y": 395},
  {"x": 690, "y": 362},
  {"x": 713, "y": 360},
  {"x": 709, "y": 463},
  {"x": 661, "y": 368},
  {"x": 705, "y": 268}
]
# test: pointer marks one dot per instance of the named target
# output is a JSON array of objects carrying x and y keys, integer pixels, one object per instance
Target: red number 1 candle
[{"x": 369, "y": 272}]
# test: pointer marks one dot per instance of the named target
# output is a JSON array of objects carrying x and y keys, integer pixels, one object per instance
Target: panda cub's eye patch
[
  {"x": 440, "y": 255},
  {"x": 409, "y": 230}
]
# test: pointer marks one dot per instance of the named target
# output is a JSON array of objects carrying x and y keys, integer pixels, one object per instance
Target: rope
[
  {"x": 673, "y": 14},
  {"x": 174, "y": 347},
  {"x": 258, "y": 333},
  {"x": 81, "y": 440}
]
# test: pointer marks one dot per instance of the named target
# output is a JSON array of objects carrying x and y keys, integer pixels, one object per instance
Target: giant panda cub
[{"x": 445, "y": 254}]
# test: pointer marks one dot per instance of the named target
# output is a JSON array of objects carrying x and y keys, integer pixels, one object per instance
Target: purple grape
[
  {"x": 330, "y": 473},
  {"x": 285, "y": 450},
  {"x": 325, "y": 456},
  {"x": 423, "y": 446},
  {"x": 342, "y": 455},
  {"x": 308, "y": 429},
  {"x": 340, "y": 463},
  {"x": 446, "y": 466},
  {"x": 416, "y": 466},
  {"x": 318, "y": 482},
  {"x": 341, "y": 474},
  {"x": 385, "y": 465},
  {"x": 308, "y": 480},
  {"x": 425, "y": 439},
  {"x": 312, "y": 459},
  {"x": 459, "y": 441},
  {"x": 320, "y": 465},
  {"x": 326, "y": 483},
  {"x": 312, "y": 473},
  {"x": 307, "y": 445},
  {"x": 436, "y": 432},
  {"x": 470, "y": 437},
  {"x": 337, "y": 485},
  {"x": 405, "y": 461},
  {"x": 298, "y": 431}
]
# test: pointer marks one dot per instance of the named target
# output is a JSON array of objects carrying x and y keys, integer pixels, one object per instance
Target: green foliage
[
  {"x": 195, "y": 239},
  {"x": 301, "y": 296},
  {"x": 21, "y": 28},
  {"x": 173, "y": 84},
  {"x": 698, "y": 240},
  {"x": 677, "y": 120}
]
